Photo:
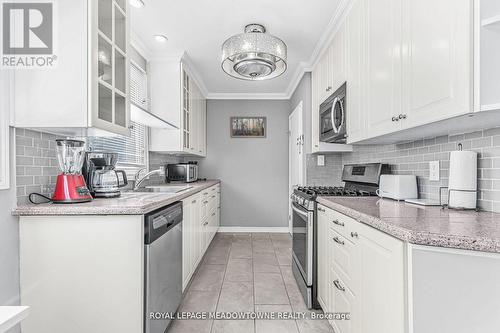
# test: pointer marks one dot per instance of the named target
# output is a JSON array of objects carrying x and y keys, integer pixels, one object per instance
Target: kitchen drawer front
[
  {"x": 340, "y": 223},
  {"x": 345, "y": 258},
  {"x": 342, "y": 301},
  {"x": 212, "y": 202}
]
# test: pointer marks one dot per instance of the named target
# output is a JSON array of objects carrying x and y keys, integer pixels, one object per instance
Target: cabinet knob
[
  {"x": 402, "y": 116},
  {"x": 321, "y": 209},
  {"x": 339, "y": 286},
  {"x": 329, "y": 89},
  {"x": 337, "y": 222},
  {"x": 395, "y": 119},
  {"x": 354, "y": 234}
]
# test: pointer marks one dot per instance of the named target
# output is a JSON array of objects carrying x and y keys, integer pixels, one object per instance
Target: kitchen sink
[{"x": 164, "y": 189}]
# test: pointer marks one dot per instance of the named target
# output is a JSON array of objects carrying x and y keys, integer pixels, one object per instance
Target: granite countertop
[
  {"x": 129, "y": 203},
  {"x": 433, "y": 226}
]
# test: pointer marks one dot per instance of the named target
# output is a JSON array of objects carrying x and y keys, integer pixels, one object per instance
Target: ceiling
[{"x": 200, "y": 27}]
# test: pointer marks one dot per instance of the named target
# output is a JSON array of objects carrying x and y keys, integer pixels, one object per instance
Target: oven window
[
  {"x": 326, "y": 122},
  {"x": 300, "y": 224}
]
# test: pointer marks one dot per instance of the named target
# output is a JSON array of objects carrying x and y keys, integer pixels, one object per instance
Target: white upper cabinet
[
  {"x": 438, "y": 59},
  {"x": 383, "y": 65},
  {"x": 338, "y": 54},
  {"x": 409, "y": 64},
  {"x": 487, "y": 55},
  {"x": 356, "y": 119},
  {"x": 176, "y": 98},
  {"x": 88, "y": 88},
  {"x": 327, "y": 76}
]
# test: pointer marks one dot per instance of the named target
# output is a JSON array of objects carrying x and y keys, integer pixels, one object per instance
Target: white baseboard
[{"x": 254, "y": 229}]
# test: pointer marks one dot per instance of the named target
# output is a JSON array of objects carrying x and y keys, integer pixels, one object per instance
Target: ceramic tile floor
[{"x": 248, "y": 273}]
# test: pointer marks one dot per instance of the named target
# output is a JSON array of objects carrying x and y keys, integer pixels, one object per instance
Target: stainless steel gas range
[{"x": 360, "y": 180}]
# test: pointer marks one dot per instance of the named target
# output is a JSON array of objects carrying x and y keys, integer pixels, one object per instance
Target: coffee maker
[{"x": 100, "y": 174}]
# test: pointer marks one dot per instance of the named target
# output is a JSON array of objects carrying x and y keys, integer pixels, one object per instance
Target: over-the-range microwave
[{"x": 332, "y": 117}]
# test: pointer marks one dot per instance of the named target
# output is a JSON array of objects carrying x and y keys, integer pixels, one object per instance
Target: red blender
[{"x": 70, "y": 184}]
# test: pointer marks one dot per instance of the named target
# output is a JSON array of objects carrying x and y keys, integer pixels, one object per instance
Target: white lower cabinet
[
  {"x": 361, "y": 271},
  {"x": 200, "y": 224}
]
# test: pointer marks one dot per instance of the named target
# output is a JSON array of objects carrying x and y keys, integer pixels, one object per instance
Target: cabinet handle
[
  {"x": 321, "y": 209},
  {"x": 338, "y": 241},
  {"x": 337, "y": 222},
  {"x": 354, "y": 234},
  {"x": 213, "y": 214},
  {"x": 205, "y": 202},
  {"x": 205, "y": 193},
  {"x": 329, "y": 88},
  {"x": 337, "y": 284},
  {"x": 402, "y": 116},
  {"x": 194, "y": 201},
  {"x": 213, "y": 196},
  {"x": 395, "y": 119}
]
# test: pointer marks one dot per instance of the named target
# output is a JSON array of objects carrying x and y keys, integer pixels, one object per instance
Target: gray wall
[
  {"x": 254, "y": 172},
  {"x": 9, "y": 231}
]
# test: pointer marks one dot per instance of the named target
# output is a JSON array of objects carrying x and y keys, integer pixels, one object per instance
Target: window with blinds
[
  {"x": 132, "y": 151},
  {"x": 138, "y": 87}
]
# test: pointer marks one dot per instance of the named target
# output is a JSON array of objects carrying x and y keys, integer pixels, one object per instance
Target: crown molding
[
  {"x": 247, "y": 96},
  {"x": 321, "y": 46},
  {"x": 327, "y": 37}
]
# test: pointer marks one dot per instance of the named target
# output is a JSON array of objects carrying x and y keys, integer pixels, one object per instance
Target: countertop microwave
[{"x": 332, "y": 117}]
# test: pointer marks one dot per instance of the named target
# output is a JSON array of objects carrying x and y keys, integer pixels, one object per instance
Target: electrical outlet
[
  {"x": 321, "y": 160},
  {"x": 434, "y": 171}
]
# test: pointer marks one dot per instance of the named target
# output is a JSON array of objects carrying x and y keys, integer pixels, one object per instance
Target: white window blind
[
  {"x": 138, "y": 87},
  {"x": 131, "y": 150}
]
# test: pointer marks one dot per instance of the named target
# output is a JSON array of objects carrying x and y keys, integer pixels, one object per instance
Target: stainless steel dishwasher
[{"x": 163, "y": 266}]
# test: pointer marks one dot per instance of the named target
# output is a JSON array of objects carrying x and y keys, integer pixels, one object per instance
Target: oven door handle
[{"x": 300, "y": 211}]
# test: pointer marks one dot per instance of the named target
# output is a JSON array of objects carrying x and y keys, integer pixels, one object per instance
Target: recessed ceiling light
[
  {"x": 161, "y": 38},
  {"x": 137, "y": 3}
]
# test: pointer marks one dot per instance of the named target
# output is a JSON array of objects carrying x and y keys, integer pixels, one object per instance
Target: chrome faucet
[{"x": 139, "y": 180}]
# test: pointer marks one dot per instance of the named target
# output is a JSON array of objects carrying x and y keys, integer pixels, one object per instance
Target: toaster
[{"x": 398, "y": 187}]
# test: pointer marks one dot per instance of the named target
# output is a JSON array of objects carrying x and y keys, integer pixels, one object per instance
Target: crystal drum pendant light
[{"x": 254, "y": 55}]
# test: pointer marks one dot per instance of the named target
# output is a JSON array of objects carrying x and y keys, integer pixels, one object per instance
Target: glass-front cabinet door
[
  {"x": 109, "y": 66},
  {"x": 186, "y": 111}
]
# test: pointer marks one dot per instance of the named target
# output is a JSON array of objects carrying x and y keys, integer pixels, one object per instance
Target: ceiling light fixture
[
  {"x": 161, "y": 38},
  {"x": 137, "y": 3},
  {"x": 254, "y": 55}
]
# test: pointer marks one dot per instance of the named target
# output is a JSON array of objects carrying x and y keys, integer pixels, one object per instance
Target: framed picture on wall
[{"x": 248, "y": 127}]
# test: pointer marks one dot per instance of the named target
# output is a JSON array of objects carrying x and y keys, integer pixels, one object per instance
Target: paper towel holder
[{"x": 445, "y": 205}]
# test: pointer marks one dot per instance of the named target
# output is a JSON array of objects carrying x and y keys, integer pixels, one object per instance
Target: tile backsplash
[
  {"x": 328, "y": 175},
  {"x": 414, "y": 157},
  {"x": 36, "y": 163},
  {"x": 37, "y": 168}
]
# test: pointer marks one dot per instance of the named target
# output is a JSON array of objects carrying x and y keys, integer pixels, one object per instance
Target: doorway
[{"x": 295, "y": 155}]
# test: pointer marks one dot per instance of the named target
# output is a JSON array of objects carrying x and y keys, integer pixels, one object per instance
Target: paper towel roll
[
  {"x": 463, "y": 179},
  {"x": 463, "y": 171}
]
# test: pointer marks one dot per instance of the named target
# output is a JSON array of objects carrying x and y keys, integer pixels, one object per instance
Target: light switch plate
[
  {"x": 321, "y": 160},
  {"x": 434, "y": 171}
]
